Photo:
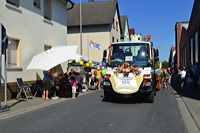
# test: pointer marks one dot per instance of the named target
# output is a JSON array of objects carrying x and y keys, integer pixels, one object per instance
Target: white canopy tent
[{"x": 52, "y": 57}]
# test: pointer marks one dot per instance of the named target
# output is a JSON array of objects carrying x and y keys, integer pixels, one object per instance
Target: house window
[
  {"x": 13, "y": 2},
  {"x": 13, "y": 53},
  {"x": 199, "y": 44},
  {"x": 116, "y": 26},
  {"x": 46, "y": 47},
  {"x": 191, "y": 51},
  {"x": 47, "y": 9},
  {"x": 196, "y": 46},
  {"x": 113, "y": 39},
  {"x": 36, "y": 3},
  {"x": 117, "y": 40}
]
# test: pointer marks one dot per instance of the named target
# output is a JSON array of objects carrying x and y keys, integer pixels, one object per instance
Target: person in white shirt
[{"x": 183, "y": 73}]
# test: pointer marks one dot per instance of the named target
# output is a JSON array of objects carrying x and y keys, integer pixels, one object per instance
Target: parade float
[{"x": 130, "y": 71}]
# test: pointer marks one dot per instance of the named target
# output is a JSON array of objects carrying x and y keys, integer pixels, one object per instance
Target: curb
[{"x": 192, "y": 113}]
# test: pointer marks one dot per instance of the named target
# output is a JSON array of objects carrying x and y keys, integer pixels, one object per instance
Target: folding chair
[
  {"x": 23, "y": 88},
  {"x": 36, "y": 88}
]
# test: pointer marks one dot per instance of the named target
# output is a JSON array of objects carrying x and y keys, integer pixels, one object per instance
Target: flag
[{"x": 94, "y": 45}]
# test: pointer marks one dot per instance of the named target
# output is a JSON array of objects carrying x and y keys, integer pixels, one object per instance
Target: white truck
[{"x": 131, "y": 70}]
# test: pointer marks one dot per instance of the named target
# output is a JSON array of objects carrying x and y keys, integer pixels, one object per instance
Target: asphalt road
[{"x": 89, "y": 114}]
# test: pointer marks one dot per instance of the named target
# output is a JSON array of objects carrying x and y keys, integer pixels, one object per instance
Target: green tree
[
  {"x": 157, "y": 65},
  {"x": 165, "y": 64}
]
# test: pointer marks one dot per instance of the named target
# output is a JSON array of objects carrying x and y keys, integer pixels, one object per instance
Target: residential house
[
  {"x": 134, "y": 37},
  {"x": 32, "y": 27},
  {"x": 179, "y": 27},
  {"x": 188, "y": 39},
  {"x": 184, "y": 46},
  {"x": 125, "y": 36},
  {"x": 100, "y": 24}
]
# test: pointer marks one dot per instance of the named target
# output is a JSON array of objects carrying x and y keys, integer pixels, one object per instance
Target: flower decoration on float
[{"x": 126, "y": 68}]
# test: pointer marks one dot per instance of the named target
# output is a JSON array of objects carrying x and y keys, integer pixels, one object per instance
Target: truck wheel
[
  {"x": 151, "y": 96},
  {"x": 107, "y": 96}
]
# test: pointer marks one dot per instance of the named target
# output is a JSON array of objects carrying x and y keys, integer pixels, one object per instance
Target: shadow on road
[
  {"x": 125, "y": 100},
  {"x": 193, "y": 93}
]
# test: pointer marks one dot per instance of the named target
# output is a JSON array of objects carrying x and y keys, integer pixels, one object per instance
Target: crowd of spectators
[
  {"x": 184, "y": 78},
  {"x": 70, "y": 84}
]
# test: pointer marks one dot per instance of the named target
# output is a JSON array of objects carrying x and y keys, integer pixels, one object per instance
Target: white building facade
[{"x": 32, "y": 26}]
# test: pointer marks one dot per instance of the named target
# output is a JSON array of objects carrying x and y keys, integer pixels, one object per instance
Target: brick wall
[{"x": 13, "y": 90}]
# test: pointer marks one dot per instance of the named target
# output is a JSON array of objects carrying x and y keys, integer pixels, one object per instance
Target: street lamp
[{"x": 81, "y": 47}]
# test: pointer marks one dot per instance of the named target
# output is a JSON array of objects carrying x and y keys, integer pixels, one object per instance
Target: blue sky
[{"x": 157, "y": 18}]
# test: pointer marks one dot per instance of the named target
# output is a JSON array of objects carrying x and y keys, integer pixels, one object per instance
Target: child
[
  {"x": 73, "y": 80},
  {"x": 98, "y": 78}
]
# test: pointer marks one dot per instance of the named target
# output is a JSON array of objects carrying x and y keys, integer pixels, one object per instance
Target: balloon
[
  {"x": 103, "y": 72},
  {"x": 81, "y": 62},
  {"x": 87, "y": 65},
  {"x": 103, "y": 64},
  {"x": 90, "y": 62}
]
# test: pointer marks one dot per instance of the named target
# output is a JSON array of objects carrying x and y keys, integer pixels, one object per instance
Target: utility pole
[
  {"x": 81, "y": 45},
  {"x": 3, "y": 47},
  {"x": 0, "y": 63}
]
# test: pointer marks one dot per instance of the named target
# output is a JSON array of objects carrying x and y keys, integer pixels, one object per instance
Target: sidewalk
[
  {"x": 22, "y": 106},
  {"x": 191, "y": 98}
]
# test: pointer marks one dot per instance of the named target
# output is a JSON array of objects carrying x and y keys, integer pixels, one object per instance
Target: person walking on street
[
  {"x": 195, "y": 69},
  {"x": 46, "y": 80},
  {"x": 79, "y": 80},
  {"x": 97, "y": 74},
  {"x": 56, "y": 84},
  {"x": 169, "y": 78},
  {"x": 198, "y": 78},
  {"x": 183, "y": 75}
]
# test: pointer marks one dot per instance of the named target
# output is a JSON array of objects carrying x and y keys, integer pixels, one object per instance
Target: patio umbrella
[{"x": 52, "y": 57}]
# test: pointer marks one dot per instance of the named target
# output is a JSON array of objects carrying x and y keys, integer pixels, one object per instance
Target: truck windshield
[{"x": 133, "y": 53}]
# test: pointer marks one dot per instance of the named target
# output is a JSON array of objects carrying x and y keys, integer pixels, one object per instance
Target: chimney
[
  {"x": 131, "y": 31},
  {"x": 90, "y": 0}
]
